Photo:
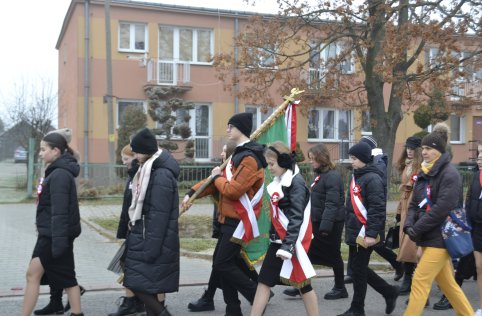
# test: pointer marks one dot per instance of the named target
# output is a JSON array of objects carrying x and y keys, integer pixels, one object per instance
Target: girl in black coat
[
  {"x": 364, "y": 228},
  {"x": 58, "y": 224},
  {"x": 286, "y": 260},
  {"x": 152, "y": 259}
]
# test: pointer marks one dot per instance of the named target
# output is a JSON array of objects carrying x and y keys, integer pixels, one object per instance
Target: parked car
[{"x": 20, "y": 155}]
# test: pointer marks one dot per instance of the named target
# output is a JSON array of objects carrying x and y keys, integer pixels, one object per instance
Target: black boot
[
  {"x": 443, "y": 304},
  {"x": 336, "y": 293},
  {"x": 205, "y": 303},
  {"x": 165, "y": 312},
  {"x": 406, "y": 285},
  {"x": 82, "y": 291},
  {"x": 140, "y": 308},
  {"x": 128, "y": 306},
  {"x": 54, "y": 307},
  {"x": 293, "y": 292}
]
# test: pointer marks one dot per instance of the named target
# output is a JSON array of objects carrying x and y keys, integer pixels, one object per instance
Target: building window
[
  {"x": 123, "y": 104},
  {"x": 320, "y": 57},
  {"x": 186, "y": 44},
  {"x": 264, "y": 57},
  {"x": 432, "y": 57},
  {"x": 457, "y": 127},
  {"x": 329, "y": 124},
  {"x": 132, "y": 37},
  {"x": 259, "y": 115},
  {"x": 201, "y": 127},
  {"x": 366, "y": 126}
]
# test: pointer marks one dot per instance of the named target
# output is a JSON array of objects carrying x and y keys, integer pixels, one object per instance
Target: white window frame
[
  {"x": 132, "y": 37},
  {"x": 336, "y": 138},
  {"x": 176, "y": 43},
  {"x": 363, "y": 132},
  {"x": 256, "y": 110},
  {"x": 192, "y": 125},
  {"x": 118, "y": 114},
  {"x": 261, "y": 61},
  {"x": 325, "y": 56},
  {"x": 433, "y": 54},
  {"x": 461, "y": 129}
]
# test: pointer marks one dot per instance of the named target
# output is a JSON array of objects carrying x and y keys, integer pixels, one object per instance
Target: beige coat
[{"x": 408, "y": 249}]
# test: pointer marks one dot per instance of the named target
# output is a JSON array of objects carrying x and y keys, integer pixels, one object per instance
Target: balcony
[
  {"x": 168, "y": 72},
  {"x": 464, "y": 89}
]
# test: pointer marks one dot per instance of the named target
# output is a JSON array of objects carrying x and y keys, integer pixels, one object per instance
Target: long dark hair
[
  {"x": 416, "y": 162},
  {"x": 321, "y": 155},
  {"x": 55, "y": 140}
]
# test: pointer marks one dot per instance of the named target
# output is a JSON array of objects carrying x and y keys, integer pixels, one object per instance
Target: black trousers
[
  {"x": 364, "y": 276},
  {"x": 384, "y": 252},
  {"x": 233, "y": 278}
]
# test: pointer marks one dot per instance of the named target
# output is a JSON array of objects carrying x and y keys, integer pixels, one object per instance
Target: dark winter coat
[
  {"x": 58, "y": 208},
  {"x": 327, "y": 200},
  {"x": 445, "y": 192},
  {"x": 293, "y": 204},
  {"x": 126, "y": 202},
  {"x": 380, "y": 162},
  {"x": 473, "y": 203},
  {"x": 152, "y": 260},
  {"x": 369, "y": 178}
]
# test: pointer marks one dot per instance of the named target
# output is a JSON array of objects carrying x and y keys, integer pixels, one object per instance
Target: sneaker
[
  {"x": 336, "y": 293},
  {"x": 127, "y": 306},
  {"x": 293, "y": 292},
  {"x": 82, "y": 291},
  {"x": 443, "y": 304},
  {"x": 205, "y": 303},
  {"x": 52, "y": 308}
]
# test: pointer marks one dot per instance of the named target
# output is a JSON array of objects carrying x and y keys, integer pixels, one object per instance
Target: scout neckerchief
[
  {"x": 298, "y": 270},
  {"x": 248, "y": 210},
  {"x": 358, "y": 207}
]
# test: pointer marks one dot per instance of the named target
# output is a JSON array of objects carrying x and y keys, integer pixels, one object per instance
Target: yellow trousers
[{"x": 435, "y": 264}]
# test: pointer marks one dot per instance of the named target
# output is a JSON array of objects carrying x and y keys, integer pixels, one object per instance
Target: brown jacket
[{"x": 248, "y": 177}]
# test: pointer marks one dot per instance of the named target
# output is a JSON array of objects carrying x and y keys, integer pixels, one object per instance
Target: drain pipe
[
  {"x": 86, "y": 87},
  {"x": 236, "y": 72}
]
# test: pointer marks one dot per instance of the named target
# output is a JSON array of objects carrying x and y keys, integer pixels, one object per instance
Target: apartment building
[{"x": 158, "y": 45}]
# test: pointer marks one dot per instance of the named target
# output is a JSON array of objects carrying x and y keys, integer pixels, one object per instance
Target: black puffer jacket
[
  {"x": 473, "y": 203},
  {"x": 293, "y": 204},
  {"x": 58, "y": 208},
  {"x": 327, "y": 200},
  {"x": 445, "y": 192},
  {"x": 126, "y": 202},
  {"x": 369, "y": 178},
  {"x": 152, "y": 260}
]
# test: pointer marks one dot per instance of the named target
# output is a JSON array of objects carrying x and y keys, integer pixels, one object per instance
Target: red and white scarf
[
  {"x": 248, "y": 210},
  {"x": 358, "y": 207},
  {"x": 297, "y": 270}
]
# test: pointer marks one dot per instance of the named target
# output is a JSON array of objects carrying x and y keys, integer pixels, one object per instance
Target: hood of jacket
[
  {"x": 250, "y": 148},
  {"x": 167, "y": 161},
  {"x": 67, "y": 162}
]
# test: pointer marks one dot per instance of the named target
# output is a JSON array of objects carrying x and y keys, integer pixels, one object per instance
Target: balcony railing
[
  {"x": 466, "y": 89},
  {"x": 168, "y": 72}
]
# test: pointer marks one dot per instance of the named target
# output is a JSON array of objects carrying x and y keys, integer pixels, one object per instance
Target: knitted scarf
[{"x": 139, "y": 188}]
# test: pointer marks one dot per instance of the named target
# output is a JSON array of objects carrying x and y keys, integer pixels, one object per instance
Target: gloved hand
[
  {"x": 397, "y": 218},
  {"x": 411, "y": 233}
]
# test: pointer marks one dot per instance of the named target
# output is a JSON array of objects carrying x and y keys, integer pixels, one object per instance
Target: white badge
[{"x": 422, "y": 203}]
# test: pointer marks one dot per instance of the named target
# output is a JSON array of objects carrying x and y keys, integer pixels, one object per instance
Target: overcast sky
[{"x": 32, "y": 28}]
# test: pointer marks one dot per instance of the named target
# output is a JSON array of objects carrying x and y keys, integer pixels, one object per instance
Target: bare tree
[
  {"x": 31, "y": 110},
  {"x": 407, "y": 48}
]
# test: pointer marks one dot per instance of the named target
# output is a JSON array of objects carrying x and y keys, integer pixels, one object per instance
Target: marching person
[
  {"x": 286, "y": 260},
  {"x": 152, "y": 245},
  {"x": 240, "y": 193},
  {"x": 436, "y": 192},
  {"x": 58, "y": 224},
  {"x": 409, "y": 166},
  {"x": 365, "y": 228},
  {"x": 328, "y": 218},
  {"x": 129, "y": 303}
]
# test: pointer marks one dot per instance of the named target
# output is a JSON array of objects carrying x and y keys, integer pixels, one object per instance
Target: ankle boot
[
  {"x": 54, "y": 307},
  {"x": 205, "y": 303},
  {"x": 443, "y": 304},
  {"x": 128, "y": 306}
]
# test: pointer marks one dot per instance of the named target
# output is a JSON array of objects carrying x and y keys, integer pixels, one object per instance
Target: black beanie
[
  {"x": 362, "y": 151},
  {"x": 370, "y": 141},
  {"x": 413, "y": 142},
  {"x": 144, "y": 142},
  {"x": 435, "y": 141},
  {"x": 243, "y": 122}
]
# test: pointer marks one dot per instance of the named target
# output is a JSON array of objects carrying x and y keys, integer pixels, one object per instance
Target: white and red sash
[
  {"x": 248, "y": 210},
  {"x": 297, "y": 270},
  {"x": 358, "y": 207}
]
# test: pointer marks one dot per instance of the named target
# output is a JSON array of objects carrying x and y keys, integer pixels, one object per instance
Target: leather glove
[
  {"x": 411, "y": 233},
  {"x": 325, "y": 227},
  {"x": 397, "y": 218}
]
